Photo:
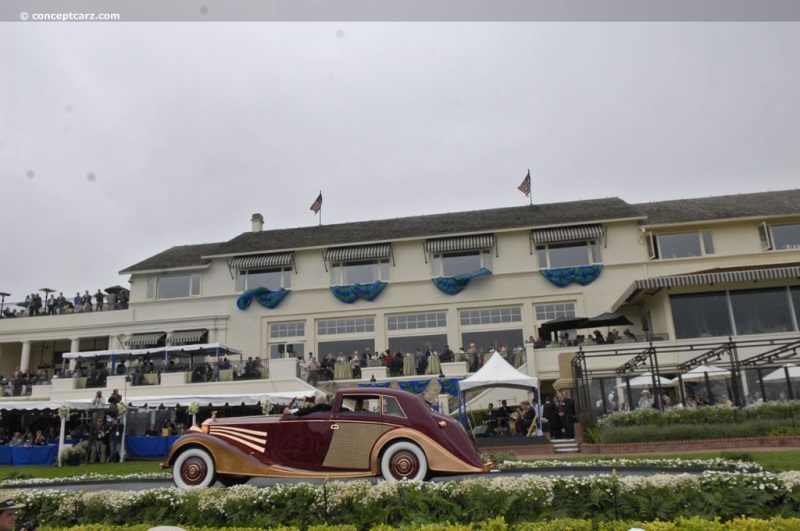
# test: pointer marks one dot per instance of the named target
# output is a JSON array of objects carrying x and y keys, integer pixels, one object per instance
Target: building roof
[
  {"x": 785, "y": 202},
  {"x": 430, "y": 226},
  {"x": 456, "y": 223},
  {"x": 178, "y": 256}
]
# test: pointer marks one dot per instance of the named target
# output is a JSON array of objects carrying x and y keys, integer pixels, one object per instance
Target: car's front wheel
[
  {"x": 404, "y": 460},
  {"x": 194, "y": 468}
]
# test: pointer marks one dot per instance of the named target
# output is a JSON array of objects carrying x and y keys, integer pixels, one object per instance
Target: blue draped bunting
[
  {"x": 565, "y": 276},
  {"x": 385, "y": 385},
  {"x": 349, "y": 294},
  {"x": 413, "y": 386},
  {"x": 450, "y": 385},
  {"x": 263, "y": 296},
  {"x": 456, "y": 284}
]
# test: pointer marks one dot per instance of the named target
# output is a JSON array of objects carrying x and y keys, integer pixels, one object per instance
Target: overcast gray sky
[{"x": 120, "y": 140}]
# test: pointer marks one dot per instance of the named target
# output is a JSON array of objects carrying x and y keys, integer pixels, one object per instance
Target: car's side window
[
  {"x": 391, "y": 407},
  {"x": 360, "y": 404}
]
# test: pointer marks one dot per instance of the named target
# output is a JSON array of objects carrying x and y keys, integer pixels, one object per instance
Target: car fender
[
  {"x": 439, "y": 459},
  {"x": 228, "y": 460}
]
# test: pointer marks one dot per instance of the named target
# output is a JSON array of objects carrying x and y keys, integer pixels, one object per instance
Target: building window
[
  {"x": 415, "y": 321},
  {"x": 173, "y": 286},
  {"x": 273, "y": 279},
  {"x": 680, "y": 245},
  {"x": 738, "y": 312},
  {"x": 548, "y": 312},
  {"x": 779, "y": 237},
  {"x": 460, "y": 262},
  {"x": 291, "y": 329},
  {"x": 357, "y": 325},
  {"x": 359, "y": 272},
  {"x": 570, "y": 254},
  {"x": 407, "y": 344},
  {"x": 485, "y": 316}
]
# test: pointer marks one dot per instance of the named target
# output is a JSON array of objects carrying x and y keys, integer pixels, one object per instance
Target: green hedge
[
  {"x": 499, "y": 524},
  {"x": 363, "y": 505},
  {"x": 710, "y": 422},
  {"x": 706, "y": 415},
  {"x": 688, "y": 432}
]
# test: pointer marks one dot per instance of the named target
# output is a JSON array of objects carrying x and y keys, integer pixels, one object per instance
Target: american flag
[
  {"x": 316, "y": 206},
  {"x": 525, "y": 187}
]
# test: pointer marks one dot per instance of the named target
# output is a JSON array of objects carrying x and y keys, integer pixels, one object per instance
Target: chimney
[{"x": 258, "y": 223}]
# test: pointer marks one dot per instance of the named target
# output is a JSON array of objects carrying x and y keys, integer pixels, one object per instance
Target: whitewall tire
[
  {"x": 404, "y": 460},
  {"x": 194, "y": 468}
]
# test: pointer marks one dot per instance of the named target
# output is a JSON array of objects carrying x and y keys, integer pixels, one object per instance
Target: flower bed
[
  {"x": 499, "y": 524},
  {"x": 363, "y": 505},
  {"x": 709, "y": 422}
]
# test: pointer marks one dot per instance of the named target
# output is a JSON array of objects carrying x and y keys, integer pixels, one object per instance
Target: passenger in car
[{"x": 320, "y": 404}]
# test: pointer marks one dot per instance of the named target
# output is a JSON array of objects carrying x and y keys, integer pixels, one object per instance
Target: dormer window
[
  {"x": 361, "y": 264},
  {"x": 679, "y": 245},
  {"x": 173, "y": 286},
  {"x": 779, "y": 237},
  {"x": 460, "y": 255},
  {"x": 570, "y": 246},
  {"x": 272, "y": 271}
]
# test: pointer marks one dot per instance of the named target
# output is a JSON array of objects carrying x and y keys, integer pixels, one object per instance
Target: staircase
[{"x": 566, "y": 446}]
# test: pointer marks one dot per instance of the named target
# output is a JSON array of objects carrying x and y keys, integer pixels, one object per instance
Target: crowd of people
[
  {"x": 557, "y": 415},
  {"x": 324, "y": 368},
  {"x": 595, "y": 338},
  {"x": 53, "y": 304},
  {"x": 663, "y": 399},
  {"x": 21, "y": 382}
]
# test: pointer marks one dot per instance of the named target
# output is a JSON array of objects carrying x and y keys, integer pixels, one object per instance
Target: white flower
[
  {"x": 193, "y": 408},
  {"x": 63, "y": 411}
]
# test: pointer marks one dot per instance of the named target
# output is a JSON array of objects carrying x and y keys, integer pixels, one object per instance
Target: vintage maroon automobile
[{"x": 367, "y": 432}]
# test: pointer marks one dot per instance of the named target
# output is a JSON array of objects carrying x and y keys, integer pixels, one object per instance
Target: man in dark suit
[
  {"x": 550, "y": 412},
  {"x": 566, "y": 413}
]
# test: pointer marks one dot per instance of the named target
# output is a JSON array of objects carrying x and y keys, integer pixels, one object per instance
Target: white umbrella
[
  {"x": 780, "y": 374},
  {"x": 699, "y": 374},
  {"x": 646, "y": 380}
]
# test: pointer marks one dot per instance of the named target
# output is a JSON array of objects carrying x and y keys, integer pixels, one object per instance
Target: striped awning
[
  {"x": 460, "y": 243},
  {"x": 185, "y": 337},
  {"x": 261, "y": 260},
  {"x": 567, "y": 234},
  {"x": 148, "y": 339},
  {"x": 721, "y": 276},
  {"x": 358, "y": 252}
]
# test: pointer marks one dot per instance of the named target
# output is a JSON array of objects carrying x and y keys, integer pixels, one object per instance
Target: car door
[
  {"x": 357, "y": 426},
  {"x": 300, "y": 442}
]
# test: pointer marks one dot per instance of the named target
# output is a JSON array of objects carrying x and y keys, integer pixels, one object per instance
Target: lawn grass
[
  {"x": 774, "y": 461},
  {"x": 48, "y": 472}
]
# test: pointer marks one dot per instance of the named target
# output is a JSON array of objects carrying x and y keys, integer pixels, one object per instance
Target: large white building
[{"x": 682, "y": 271}]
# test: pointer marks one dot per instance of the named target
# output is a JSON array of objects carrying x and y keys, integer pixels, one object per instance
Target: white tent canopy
[
  {"x": 41, "y": 405},
  {"x": 497, "y": 372},
  {"x": 699, "y": 373},
  {"x": 207, "y": 348},
  {"x": 281, "y": 398},
  {"x": 779, "y": 375},
  {"x": 646, "y": 380}
]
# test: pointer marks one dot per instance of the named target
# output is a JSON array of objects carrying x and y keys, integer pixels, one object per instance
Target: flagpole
[{"x": 320, "y": 211}]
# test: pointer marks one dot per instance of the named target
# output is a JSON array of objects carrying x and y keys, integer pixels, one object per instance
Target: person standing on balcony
[{"x": 99, "y": 297}]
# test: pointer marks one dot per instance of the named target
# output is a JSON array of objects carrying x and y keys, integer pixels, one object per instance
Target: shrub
[
  {"x": 480, "y": 503},
  {"x": 703, "y": 415},
  {"x": 689, "y": 432}
]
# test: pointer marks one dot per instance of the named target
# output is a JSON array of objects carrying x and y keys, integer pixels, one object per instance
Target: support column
[
  {"x": 114, "y": 343},
  {"x": 74, "y": 346},
  {"x": 25, "y": 357}
]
